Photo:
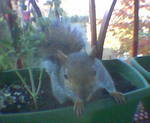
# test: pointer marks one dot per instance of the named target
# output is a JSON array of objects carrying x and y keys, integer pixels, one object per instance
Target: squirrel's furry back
[{"x": 61, "y": 36}]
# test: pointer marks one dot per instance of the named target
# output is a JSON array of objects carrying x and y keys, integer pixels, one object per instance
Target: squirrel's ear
[
  {"x": 93, "y": 52},
  {"x": 61, "y": 56}
]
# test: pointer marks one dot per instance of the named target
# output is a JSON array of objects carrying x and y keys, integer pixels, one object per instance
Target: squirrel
[{"x": 74, "y": 73}]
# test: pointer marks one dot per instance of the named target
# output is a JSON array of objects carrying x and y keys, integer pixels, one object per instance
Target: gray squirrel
[{"x": 74, "y": 73}]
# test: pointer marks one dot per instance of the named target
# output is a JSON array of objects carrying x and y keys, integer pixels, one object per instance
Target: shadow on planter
[
  {"x": 104, "y": 110},
  {"x": 142, "y": 64}
]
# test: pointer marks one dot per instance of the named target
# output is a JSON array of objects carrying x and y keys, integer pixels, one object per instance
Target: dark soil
[
  {"x": 146, "y": 67},
  {"x": 121, "y": 83},
  {"x": 16, "y": 99},
  {"x": 47, "y": 101}
]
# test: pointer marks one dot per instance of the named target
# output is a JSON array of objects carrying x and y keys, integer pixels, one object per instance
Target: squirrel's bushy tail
[{"x": 61, "y": 36}]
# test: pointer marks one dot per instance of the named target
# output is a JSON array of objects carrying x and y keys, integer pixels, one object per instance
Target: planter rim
[
  {"x": 103, "y": 103},
  {"x": 138, "y": 66},
  {"x": 142, "y": 70},
  {"x": 145, "y": 82}
]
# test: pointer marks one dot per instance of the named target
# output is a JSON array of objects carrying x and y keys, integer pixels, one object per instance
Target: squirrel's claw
[
  {"x": 119, "y": 97},
  {"x": 78, "y": 107}
]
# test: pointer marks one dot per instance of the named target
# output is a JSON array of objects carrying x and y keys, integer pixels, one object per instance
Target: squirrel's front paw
[
  {"x": 78, "y": 107},
  {"x": 119, "y": 97}
]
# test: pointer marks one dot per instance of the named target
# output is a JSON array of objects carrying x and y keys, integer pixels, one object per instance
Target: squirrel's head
[{"x": 79, "y": 71}]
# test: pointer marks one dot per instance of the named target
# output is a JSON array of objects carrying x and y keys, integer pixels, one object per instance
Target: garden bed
[{"x": 102, "y": 108}]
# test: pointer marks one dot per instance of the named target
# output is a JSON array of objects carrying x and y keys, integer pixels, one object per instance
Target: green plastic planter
[
  {"x": 142, "y": 64},
  {"x": 101, "y": 111}
]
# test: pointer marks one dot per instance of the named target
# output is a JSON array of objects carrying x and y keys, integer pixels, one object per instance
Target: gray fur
[
  {"x": 79, "y": 63},
  {"x": 61, "y": 36},
  {"x": 53, "y": 71},
  {"x": 103, "y": 78}
]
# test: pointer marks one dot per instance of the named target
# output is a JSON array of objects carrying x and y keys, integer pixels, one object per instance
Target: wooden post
[
  {"x": 103, "y": 29},
  {"x": 37, "y": 9},
  {"x": 11, "y": 21},
  {"x": 92, "y": 12},
  {"x": 136, "y": 28}
]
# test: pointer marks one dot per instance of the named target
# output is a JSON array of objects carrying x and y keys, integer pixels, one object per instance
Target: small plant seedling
[{"x": 33, "y": 91}]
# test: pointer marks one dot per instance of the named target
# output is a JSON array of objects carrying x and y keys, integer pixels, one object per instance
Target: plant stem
[
  {"x": 33, "y": 92},
  {"x": 40, "y": 81},
  {"x": 23, "y": 82},
  {"x": 35, "y": 102},
  {"x": 32, "y": 81}
]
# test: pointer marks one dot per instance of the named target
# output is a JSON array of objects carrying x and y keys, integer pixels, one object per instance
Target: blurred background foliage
[
  {"x": 121, "y": 27},
  {"x": 21, "y": 32}
]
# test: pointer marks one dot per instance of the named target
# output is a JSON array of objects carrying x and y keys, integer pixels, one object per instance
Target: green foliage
[
  {"x": 4, "y": 7},
  {"x": 6, "y": 59},
  {"x": 18, "y": 43},
  {"x": 6, "y": 46},
  {"x": 4, "y": 31},
  {"x": 28, "y": 45}
]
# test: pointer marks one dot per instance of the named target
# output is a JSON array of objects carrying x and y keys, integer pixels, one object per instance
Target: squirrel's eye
[{"x": 65, "y": 75}]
